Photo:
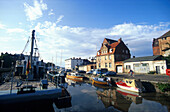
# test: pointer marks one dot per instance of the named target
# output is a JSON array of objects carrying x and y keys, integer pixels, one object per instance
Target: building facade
[
  {"x": 161, "y": 45},
  {"x": 71, "y": 63},
  {"x": 112, "y": 51},
  {"x": 146, "y": 64}
]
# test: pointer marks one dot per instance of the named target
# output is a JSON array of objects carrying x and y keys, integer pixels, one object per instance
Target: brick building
[
  {"x": 110, "y": 53},
  {"x": 161, "y": 45}
]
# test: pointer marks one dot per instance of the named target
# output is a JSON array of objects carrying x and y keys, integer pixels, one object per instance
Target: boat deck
[{"x": 7, "y": 85}]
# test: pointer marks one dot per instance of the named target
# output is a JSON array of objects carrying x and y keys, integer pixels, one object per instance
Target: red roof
[{"x": 113, "y": 45}]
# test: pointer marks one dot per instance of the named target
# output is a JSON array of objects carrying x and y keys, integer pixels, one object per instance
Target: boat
[
  {"x": 75, "y": 76},
  {"x": 28, "y": 93},
  {"x": 131, "y": 85},
  {"x": 73, "y": 82},
  {"x": 56, "y": 77},
  {"x": 101, "y": 81},
  {"x": 24, "y": 99}
]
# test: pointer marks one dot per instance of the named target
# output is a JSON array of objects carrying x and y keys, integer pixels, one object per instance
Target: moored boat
[
  {"x": 101, "y": 81},
  {"x": 131, "y": 85},
  {"x": 75, "y": 76}
]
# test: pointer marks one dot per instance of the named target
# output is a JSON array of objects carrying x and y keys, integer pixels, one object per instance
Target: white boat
[{"x": 131, "y": 85}]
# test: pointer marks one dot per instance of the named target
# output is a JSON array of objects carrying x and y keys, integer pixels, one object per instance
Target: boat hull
[
  {"x": 74, "y": 77},
  {"x": 95, "y": 81},
  {"x": 128, "y": 88}
]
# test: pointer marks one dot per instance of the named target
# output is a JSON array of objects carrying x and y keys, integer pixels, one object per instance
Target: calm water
[
  {"x": 92, "y": 98},
  {"x": 86, "y": 97}
]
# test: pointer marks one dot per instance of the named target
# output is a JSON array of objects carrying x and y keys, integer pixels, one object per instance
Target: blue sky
[{"x": 77, "y": 27}]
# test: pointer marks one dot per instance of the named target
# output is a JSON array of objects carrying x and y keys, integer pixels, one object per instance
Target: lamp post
[{"x": 2, "y": 61}]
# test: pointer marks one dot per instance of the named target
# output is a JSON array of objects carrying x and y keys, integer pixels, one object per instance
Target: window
[
  {"x": 99, "y": 65},
  {"x": 106, "y": 51},
  {"x": 98, "y": 53},
  {"x": 111, "y": 50},
  {"x": 105, "y": 57},
  {"x": 126, "y": 51},
  {"x": 110, "y": 57},
  {"x": 123, "y": 51},
  {"x": 105, "y": 64},
  {"x": 110, "y": 65},
  {"x": 136, "y": 65},
  {"x": 128, "y": 67}
]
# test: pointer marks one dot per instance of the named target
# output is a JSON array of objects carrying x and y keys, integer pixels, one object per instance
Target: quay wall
[{"x": 150, "y": 86}]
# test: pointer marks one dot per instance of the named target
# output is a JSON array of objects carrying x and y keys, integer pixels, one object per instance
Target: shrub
[
  {"x": 151, "y": 72},
  {"x": 163, "y": 87}
]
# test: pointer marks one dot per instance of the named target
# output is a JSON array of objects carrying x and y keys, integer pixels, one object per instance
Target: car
[
  {"x": 109, "y": 73},
  {"x": 90, "y": 72},
  {"x": 80, "y": 71},
  {"x": 97, "y": 71}
]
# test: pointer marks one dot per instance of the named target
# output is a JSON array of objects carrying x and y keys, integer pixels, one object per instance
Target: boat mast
[{"x": 31, "y": 60}]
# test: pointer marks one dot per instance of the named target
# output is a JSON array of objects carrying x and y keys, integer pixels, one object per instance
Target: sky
[{"x": 77, "y": 28}]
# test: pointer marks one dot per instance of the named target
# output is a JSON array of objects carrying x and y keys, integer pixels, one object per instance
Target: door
[
  {"x": 158, "y": 69},
  {"x": 119, "y": 69}
]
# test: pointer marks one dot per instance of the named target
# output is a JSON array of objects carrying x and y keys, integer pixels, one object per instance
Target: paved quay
[{"x": 157, "y": 78}]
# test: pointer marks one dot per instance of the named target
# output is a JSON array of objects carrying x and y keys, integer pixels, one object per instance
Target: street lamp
[{"x": 2, "y": 63}]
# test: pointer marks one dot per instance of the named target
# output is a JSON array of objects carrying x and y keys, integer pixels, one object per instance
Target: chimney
[{"x": 120, "y": 40}]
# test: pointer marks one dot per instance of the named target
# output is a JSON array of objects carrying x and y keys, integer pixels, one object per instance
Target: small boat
[
  {"x": 75, "y": 76},
  {"x": 101, "y": 81},
  {"x": 131, "y": 85}
]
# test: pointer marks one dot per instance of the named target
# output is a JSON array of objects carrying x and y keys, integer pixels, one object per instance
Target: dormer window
[
  {"x": 98, "y": 53},
  {"x": 111, "y": 50}
]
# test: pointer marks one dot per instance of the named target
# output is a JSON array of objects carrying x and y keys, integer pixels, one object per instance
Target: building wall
[
  {"x": 103, "y": 60},
  {"x": 71, "y": 63},
  {"x": 167, "y": 53},
  {"x": 84, "y": 68},
  {"x": 122, "y": 52},
  {"x": 156, "y": 50},
  {"x": 163, "y": 44},
  {"x": 145, "y": 66},
  {"x": 160, "y": 44}
]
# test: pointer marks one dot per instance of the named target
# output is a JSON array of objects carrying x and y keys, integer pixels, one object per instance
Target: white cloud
[
  {"x": 60, "y": 18},
  {"x": 36, "y": 11},
  {"x": 2, "y": 26},
  {"x": 51, "y": 12},
  {"x": 82, "y": 42},
  {"x": 15, "y": 30}
]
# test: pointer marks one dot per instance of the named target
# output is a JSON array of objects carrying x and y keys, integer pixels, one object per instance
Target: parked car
[
  {"x": 100, "y": 71},
  {"x": 109, "y": 73},
  {"x": 90, "y": 72},
  {"x": 80, "y": 71},
  {"x": 97, "y": 71}
]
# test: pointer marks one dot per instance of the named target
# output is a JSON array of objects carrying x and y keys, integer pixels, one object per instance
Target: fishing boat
[
  {"x": 75, "y": 76},
  {"x": 131, "y": 85},
  {"x": 101, "y": 81},
  {"x": 29, "y": 93}
]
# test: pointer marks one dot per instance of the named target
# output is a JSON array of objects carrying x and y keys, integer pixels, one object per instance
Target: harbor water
[{"x": 86, "y": 97}]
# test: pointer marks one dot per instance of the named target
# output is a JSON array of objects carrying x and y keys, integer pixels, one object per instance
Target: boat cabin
[
  {"x": 133, "y": 83},
  {"x": 26, "y": 89}
]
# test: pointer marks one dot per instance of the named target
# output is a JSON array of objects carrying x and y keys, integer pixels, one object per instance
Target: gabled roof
[
  {"x": 113, "y": 45},
  {"x": 110, "y": 41},
  {"x": 146, "y": 58},
  {"x": 167, "y": 34}
]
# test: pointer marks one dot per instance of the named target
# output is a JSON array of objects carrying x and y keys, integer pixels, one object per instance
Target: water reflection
[{"x": 87, "y": 97}]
